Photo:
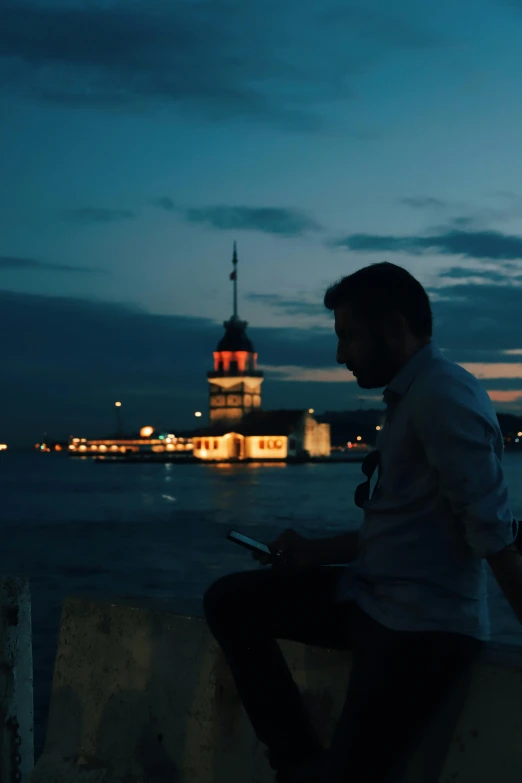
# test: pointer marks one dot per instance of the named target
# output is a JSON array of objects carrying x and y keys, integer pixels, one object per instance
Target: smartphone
[{"x": 250, "y": 543}]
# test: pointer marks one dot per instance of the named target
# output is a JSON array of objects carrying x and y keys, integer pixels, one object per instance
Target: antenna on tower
[{"x": 233, "y": 276}]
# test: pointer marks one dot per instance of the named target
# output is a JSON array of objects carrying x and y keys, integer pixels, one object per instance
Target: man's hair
[{"x": 381, "y": 288}]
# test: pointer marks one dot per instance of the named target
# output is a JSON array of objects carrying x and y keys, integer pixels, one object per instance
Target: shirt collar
[{"x": 400, "y": 384}]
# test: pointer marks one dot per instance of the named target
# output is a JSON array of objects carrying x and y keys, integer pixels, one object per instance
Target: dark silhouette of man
[{"x": 410, "y": 600}]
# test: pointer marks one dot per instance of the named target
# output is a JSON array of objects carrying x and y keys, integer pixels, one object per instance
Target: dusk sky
[{"x": 140, "y": 139}]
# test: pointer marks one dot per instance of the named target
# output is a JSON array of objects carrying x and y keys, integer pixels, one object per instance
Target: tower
[{"x": 234, "y": 383}]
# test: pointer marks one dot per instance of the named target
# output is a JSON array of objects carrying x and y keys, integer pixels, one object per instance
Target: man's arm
[
  {"x": 306, "y": 552},
  {"x": 458, "y": 434},
  {"x": 334, "y": 551},
  {"x": 507, "y": 570}
]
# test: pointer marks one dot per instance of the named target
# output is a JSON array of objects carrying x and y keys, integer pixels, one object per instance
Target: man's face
[{"x": 365, "y": 352}]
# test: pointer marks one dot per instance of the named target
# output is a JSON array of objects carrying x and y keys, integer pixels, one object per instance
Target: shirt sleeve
[{"x": 461, "y": 438}]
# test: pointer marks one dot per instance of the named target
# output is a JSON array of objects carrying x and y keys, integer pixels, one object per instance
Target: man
[{"x": 411, "y": 603}]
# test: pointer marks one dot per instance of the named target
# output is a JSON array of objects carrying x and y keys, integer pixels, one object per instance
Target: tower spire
[{"x": 233, "y": 277}]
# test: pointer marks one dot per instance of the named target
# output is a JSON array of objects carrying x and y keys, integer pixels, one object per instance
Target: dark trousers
[{"x": 396, "y": 681}]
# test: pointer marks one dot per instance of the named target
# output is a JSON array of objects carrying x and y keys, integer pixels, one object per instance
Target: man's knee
[
  {"x": 233, "y": 598},
  {"x": 220, "y": 597}
]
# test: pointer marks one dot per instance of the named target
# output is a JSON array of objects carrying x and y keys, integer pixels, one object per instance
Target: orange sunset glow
[
  {"x": 505, "y": 396},
  {"x": 483, "y": 371},
  {"x": 494, "y": 369}
]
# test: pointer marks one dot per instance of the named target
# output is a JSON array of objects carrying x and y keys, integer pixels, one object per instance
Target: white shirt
[{"x": 440, "y": 507}]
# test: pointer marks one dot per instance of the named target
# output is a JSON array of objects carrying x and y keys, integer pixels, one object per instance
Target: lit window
[
  {"x": 216, "y": 445},
  {"x": 261, "y": 444},
  {"x": 207, "y": 444},
  {"x": 198, "y": 444}
]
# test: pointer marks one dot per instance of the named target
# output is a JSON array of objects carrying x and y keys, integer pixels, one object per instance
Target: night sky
[{"x": 140, "y": 139}]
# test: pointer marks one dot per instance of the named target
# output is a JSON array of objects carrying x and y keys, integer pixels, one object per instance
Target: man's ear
[{"x": 394, "y": 322}]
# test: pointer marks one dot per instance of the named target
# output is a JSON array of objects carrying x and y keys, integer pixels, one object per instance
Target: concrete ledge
[
  {"x": 16, "y": 680},
  {"x": 142, "y": 695}
]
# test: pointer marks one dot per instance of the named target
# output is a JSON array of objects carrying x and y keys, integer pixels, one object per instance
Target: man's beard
[{"x": 379, "y": 369}]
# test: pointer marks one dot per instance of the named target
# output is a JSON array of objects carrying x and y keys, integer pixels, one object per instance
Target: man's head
[{"x": 382, "y": 318}]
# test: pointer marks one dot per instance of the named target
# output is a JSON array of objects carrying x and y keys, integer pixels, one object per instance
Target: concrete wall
[
  {"x": 142, "y": 694},
  {"x": 16, "y": 680}
]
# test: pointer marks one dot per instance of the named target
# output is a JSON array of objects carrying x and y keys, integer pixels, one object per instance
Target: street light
[
  {"x": 198, "y": 414},
  {"x": 310, "y": 410},
  {"x": 119, "y": 425}
]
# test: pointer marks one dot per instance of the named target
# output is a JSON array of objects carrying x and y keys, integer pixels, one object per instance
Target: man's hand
[{"x": 297, "y": 550}]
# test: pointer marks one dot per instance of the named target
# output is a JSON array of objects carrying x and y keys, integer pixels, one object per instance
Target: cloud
[
  {"x": 222, "y": 59},
  {"x": 280, "y": 221},
  {"x": 423, "y": 202},
  {"x": 306, "y": 374},
  {"x": 295, "y": 307},
  {"x": 269, "y": 220},
  {"x": 91, "y": 215},
  {"x": 380, "y": 26},
  {"x": 484, "y": 318},
  {"x": 487, "y": 216},
  {"x": 164, "y": 202},
  {"x": 465, "y": 216},
  {"x": 15, "y": 262},
  {"x": 501, "y": 275},
  {"x": 506, "y": 194},
  {"x": 469, "y": 244}
]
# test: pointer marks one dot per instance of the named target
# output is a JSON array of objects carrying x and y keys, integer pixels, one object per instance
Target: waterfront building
[{"x": 266, "y": 435}]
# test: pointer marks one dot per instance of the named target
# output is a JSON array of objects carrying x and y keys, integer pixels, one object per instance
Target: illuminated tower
[{"x": 234, "y": 383}]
